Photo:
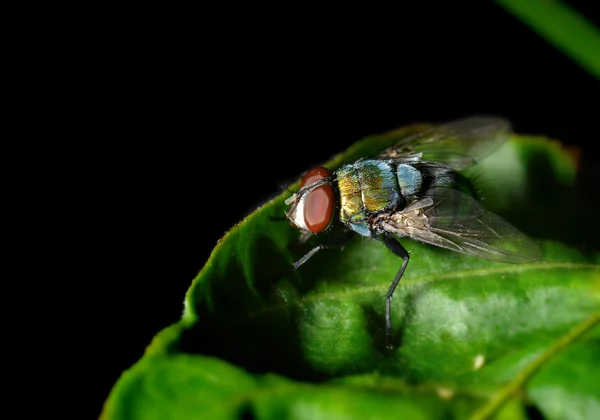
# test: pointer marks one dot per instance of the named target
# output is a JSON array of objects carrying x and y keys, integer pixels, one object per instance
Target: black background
[{"x": 204, "y": 120}]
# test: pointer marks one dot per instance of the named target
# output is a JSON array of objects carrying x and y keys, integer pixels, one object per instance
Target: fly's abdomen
[
  {"x": 410, "y": 179},
  {"x": 366, "y": 187}
]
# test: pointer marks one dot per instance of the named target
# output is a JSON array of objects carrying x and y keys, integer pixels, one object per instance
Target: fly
[{"x": 413, "y": 189}]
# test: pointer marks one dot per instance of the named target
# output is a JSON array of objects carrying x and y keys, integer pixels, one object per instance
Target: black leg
[
  {"x": 394, "y": 246},
  {"x": 337, "y": 241},
  {"x": 307, "y": 256}
]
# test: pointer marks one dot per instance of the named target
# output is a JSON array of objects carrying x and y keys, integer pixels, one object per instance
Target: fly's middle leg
[{"x": 394, "y": 246}]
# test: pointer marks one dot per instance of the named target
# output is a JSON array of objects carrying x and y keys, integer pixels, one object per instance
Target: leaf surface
[{"x": 471, "y": 337}]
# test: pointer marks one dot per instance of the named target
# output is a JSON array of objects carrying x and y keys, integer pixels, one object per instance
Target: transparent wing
[
  {"x": 459, "y": 144},
  {"x": 449, "y": 219}
]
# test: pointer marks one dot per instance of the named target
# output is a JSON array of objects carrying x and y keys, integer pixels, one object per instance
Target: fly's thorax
[{"x": 366, "y": 187}]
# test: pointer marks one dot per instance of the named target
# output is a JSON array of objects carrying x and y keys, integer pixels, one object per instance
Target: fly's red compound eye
[
  {"x": 319, "y": 204},
  {"x": 314, "y": 175}
]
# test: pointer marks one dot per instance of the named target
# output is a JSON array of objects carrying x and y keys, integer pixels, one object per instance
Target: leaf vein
[
  {"x": 351, "y": 291},
  {"x": 510, "y": 389}
]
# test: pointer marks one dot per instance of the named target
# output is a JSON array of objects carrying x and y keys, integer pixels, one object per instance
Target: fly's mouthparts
[{"x": 291, "y": 200}]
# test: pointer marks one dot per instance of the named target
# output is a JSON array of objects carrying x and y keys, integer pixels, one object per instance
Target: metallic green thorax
[{"x": 371, "y": 186}]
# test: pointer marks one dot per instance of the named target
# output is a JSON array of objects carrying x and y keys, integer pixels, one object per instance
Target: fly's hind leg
[{"x": 394, "y": 246}]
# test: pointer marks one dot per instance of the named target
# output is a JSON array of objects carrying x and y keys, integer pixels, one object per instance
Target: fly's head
[{"x": 312, "y": 207}]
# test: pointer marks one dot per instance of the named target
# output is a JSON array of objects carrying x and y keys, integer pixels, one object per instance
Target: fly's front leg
[
  {"x": 337, "y": 241},
  {"x": 307, "y": 256},
  {"x": 394, "y": 246}
]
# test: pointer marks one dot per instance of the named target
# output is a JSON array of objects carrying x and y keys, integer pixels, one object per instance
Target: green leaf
[
  {"x": 570, "y": 32},
  {"x": 472, "y": 337}
]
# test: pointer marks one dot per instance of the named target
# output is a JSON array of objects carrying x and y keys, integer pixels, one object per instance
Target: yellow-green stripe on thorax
[{"x": 365, "y": 187}]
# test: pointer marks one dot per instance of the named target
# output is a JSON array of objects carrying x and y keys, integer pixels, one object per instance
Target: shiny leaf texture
[{"x": 472, "y": 338}]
